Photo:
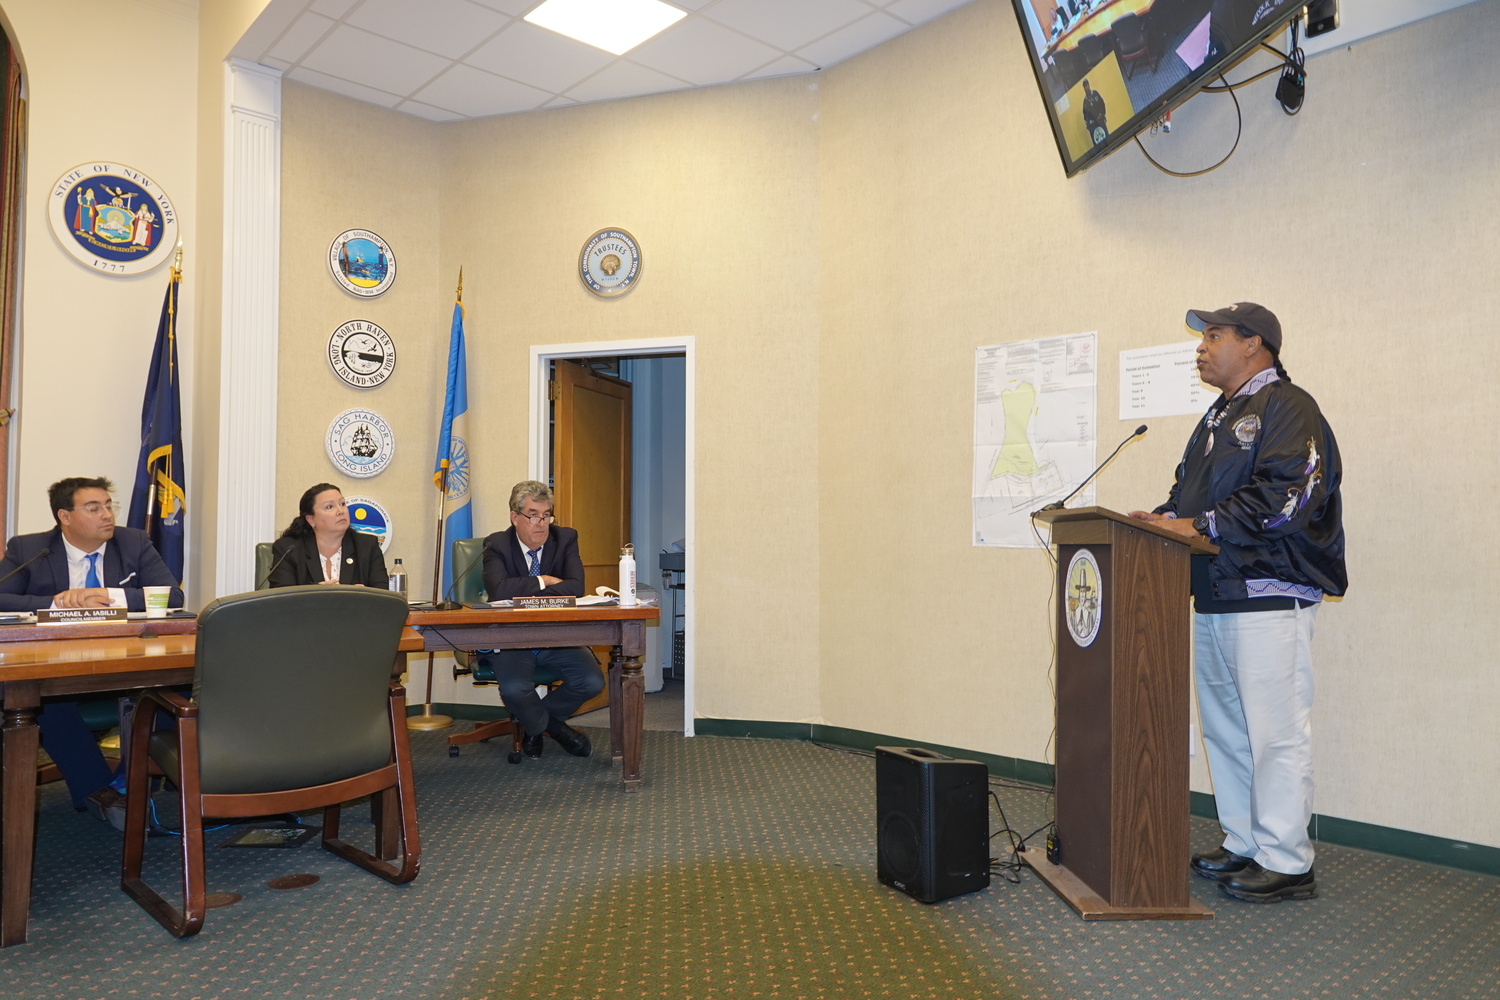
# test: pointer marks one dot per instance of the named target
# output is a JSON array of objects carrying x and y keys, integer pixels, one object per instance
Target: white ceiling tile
[
  {"x": 559, "y": 102},
  {"x": 332, "y": 8},
  {"x": 539, "y": 57},
  {"x": 787, "y": 24},
  {"x": 447, "y": 27},
  {"x": 624, "y": 79},
  {"x": 323, "y": 81},
  {"x": 273, "y": 63},
  {"x": 851, "y": 41},
  {"x": 703, "y": 52},
  {"x": 922, "y": 11},
  {"x": 785, "y": 66},
  {"x": 304, "y": 33},
  {"x": 690, "y": 4},
  {"x": 375, "y": 61},
  {"x": 476, "y": 93},
  {"x": 429, "y": 112},
  {"x": 513, "y": 7}
]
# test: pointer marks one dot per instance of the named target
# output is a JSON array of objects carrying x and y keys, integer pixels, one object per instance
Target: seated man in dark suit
[
  {"x": 85, "y": 561},
  {"x": 534, "y": 556}
]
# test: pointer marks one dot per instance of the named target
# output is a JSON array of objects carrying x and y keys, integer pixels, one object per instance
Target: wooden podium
[{"x": 1123, "y": 706}]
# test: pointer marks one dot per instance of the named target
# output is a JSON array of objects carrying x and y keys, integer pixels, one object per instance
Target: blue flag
[
  {"x": 453, "y": 448},
  {"x": 158, "y": 502}
]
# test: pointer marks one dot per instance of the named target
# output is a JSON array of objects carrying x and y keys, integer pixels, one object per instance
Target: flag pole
[{"x": 428, "y": 720}]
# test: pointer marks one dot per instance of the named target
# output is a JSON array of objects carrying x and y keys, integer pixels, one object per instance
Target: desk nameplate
[
  {"x": 80, "y": 616},
  {"x": 545, "y": 603}
]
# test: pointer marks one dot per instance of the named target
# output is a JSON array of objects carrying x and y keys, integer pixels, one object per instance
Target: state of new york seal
[{"x": 113, "y": 218}]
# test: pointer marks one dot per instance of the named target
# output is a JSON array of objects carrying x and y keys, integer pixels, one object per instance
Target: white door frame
[{"x": 542, "y": 355}]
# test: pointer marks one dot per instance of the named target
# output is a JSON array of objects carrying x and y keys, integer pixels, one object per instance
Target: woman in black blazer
[{"x": 320, "y": 547}]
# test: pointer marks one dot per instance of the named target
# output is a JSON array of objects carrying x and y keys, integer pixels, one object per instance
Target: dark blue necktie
[
  {"x": 535, "y": 555},
  {"x": 92, "y": 580}
]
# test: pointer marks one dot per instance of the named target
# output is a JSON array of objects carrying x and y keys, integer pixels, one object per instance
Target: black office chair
[
  {"x": 1132, "y": 42},
  {"x": 1093, "y": 48},
  {"x": 293, "y": 708},
  {"x": 469, "y": 589}
]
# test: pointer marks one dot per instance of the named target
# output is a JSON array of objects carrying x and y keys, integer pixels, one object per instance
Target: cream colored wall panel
[
  {"x": 1358, "y": 222},
  {"x": 719, "y": 188},
  {"x": 348, "y": 165},
  {"x": 86, "y": 338}
]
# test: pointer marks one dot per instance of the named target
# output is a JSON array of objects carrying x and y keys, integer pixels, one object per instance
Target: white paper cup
[{"x": 156, "y": 601}]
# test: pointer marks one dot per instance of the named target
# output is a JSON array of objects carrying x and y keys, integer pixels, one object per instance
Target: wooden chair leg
[{"x": 188, "y": 920}]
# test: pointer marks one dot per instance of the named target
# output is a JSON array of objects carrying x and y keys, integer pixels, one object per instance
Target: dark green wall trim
[{"x": 1327, "y": 829}]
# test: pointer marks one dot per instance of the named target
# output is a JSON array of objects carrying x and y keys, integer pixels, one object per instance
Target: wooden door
[{"x": 591, "y": 473}]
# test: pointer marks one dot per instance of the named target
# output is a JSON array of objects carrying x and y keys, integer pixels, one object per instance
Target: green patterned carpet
[{"x": 743, "y": 869}]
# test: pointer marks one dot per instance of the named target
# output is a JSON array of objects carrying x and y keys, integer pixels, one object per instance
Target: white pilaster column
[{"x": 252, "y": 275}]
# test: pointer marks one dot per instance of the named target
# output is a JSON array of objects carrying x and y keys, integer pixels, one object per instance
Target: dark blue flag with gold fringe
[{"x": 158, "y": 502}]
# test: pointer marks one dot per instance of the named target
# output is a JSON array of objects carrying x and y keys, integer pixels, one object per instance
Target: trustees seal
[
  {"x": 362, "y": 354},
  {"x": 1083, "y": 589},
  {"x": 610, "y": 263},
  {"x": 112, "y": 218},
  {"x": 366, "y": 515},
  {"x": 360, "y": 443},
  {"x": 361, "y": 262}
]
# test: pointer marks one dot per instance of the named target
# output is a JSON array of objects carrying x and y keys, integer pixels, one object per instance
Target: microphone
[
  {"x": 267, "y": 578},
  {"x": 450, "y": 604},
  {"x": 40, "y": 555},
  {"x": 1058, "y": 505}
]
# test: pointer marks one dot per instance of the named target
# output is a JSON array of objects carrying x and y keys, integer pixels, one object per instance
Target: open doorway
[{"x": 658, "y": 376}]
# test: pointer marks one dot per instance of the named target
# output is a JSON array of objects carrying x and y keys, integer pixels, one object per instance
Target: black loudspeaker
[{"x": 934, "y": 830}]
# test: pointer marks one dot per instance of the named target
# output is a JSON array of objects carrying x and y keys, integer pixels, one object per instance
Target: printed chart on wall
[{"x": 1034, "y": 432}]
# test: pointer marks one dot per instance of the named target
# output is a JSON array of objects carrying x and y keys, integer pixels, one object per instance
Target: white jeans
[{"x": 1255, "y": 693}]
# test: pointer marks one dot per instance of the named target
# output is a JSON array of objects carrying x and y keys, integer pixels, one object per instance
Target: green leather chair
[
  {"x": 262, "y": 565},
  {"x": 469, "y": 589},
  {"x": 293, "y": 708}
]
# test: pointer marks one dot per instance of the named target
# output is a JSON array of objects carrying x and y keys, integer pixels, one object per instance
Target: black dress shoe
[
  {"x": 575, "y": 741},
  {"x": 1261, "y": 885},
  {"x": 1218, "y": 863},
  {"x": 531, "y": 746}
]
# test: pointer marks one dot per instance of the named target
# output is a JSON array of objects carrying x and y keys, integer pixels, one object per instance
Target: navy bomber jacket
[{"x": 1264, "y": 468}]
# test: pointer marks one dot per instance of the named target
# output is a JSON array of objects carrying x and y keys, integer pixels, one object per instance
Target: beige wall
[
  {"x": 86, "y": 338},
  {"x": 347, "y": 165},
  {"x": 838, "y": 246},
  {"x": 719, "y": 187},
  {"x": 1359, "y": 222}
]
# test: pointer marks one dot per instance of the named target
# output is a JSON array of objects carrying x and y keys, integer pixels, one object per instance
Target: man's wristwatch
[{"x": 1200, "y": 525}]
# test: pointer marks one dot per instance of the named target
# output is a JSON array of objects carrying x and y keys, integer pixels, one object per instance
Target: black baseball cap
[{"x": 1254, "y": 319}]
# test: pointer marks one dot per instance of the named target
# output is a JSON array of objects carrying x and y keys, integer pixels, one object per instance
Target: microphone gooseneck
[
  {"x": 1060, "y": 504},
  {"x": 449, "y": 604},
  {"x": 39, "y": 555}
]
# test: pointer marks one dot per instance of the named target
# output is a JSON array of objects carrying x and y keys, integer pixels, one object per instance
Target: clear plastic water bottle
[
  {"x": 397, "y": 579},
  {"x": 627, "y": 576}
]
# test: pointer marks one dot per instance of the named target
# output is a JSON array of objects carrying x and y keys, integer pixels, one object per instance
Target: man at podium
[{"x": 1260, "y": 478}]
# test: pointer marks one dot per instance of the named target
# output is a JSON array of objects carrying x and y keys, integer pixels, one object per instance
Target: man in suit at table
[
  {"x": 531, "y": 557},
  {"x": 85, "y": 561}
]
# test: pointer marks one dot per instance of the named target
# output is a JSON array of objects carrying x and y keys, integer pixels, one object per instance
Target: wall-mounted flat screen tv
[{"x": 1109, "y": 68}]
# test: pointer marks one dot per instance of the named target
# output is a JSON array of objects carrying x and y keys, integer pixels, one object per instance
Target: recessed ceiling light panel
[{"x": 612, "y": 25}]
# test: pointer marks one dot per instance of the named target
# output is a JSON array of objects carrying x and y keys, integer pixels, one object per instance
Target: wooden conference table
[{"x": 68, "y": 660}]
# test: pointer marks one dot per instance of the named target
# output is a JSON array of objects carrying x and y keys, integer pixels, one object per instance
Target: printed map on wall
[{"x": 1034, "y": 432}]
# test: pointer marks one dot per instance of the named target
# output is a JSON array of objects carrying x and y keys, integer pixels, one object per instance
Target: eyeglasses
[
  {"x": 96, "y": 508},
  {"x": 535, "y": 518}
]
